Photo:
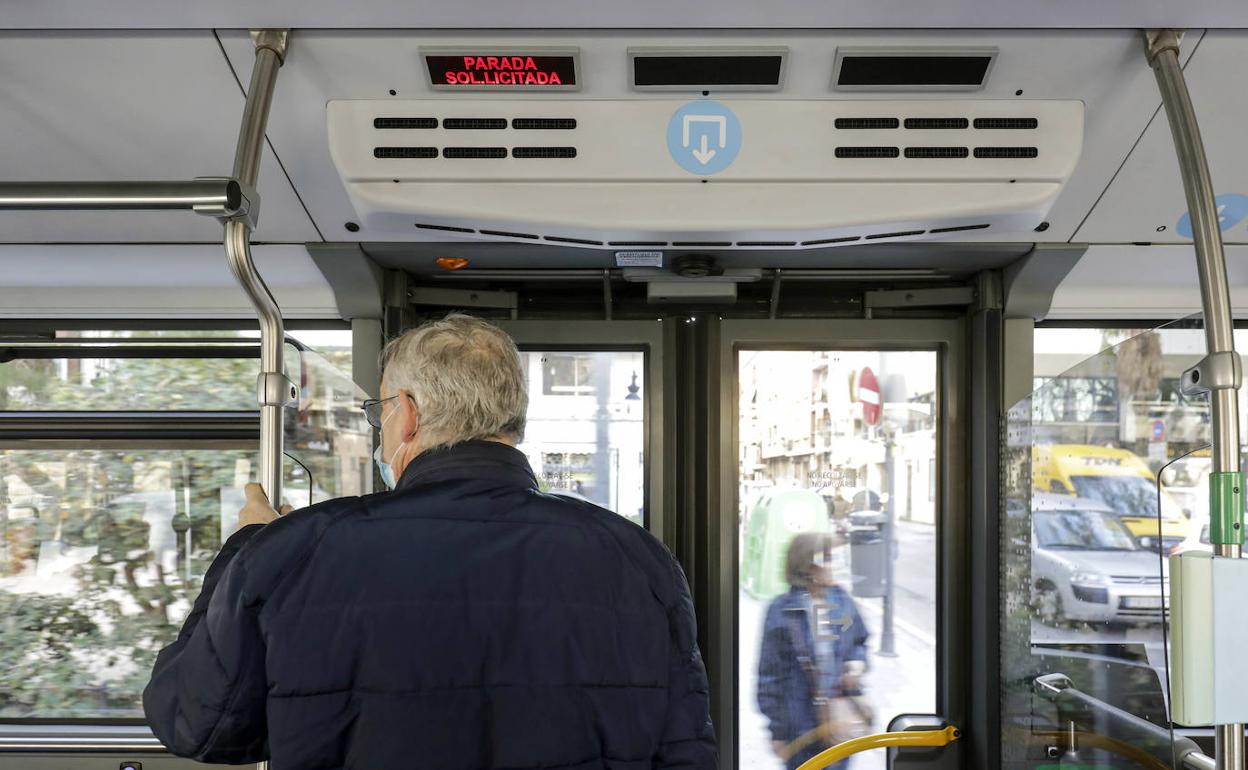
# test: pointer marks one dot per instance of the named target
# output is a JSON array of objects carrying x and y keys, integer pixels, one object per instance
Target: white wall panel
[
  {"x": 1143, "y": 282},
  {"x": 1148, "y": 193},
  {"x": 431, "y": 14},
  {"x": 153, "y": 281},
  {"x": 126, "y": 106}
]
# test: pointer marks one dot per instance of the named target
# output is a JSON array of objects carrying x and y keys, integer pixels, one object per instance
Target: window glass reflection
[
  {"x": 1105, "y": 475},
  {"x": 104, "y": 544},
  {"x": 838, "y": 480},
  {"x": 585, "y": 434},
  {"x": 101, "y": 553}
]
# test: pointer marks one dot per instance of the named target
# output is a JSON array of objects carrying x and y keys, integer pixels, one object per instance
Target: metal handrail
[
  {"x": 273, "y": 390},
  {"x": 901, "y": 739},
  {"x": 1162, "y": 48},
  {"x": 131, "y": 738},
  {"x": 214, "y": 197},
  {"x": 1058, "y": 689}
]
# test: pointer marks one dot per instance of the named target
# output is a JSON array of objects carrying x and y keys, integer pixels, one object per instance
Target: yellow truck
[{"x": 1119, "y": 480}]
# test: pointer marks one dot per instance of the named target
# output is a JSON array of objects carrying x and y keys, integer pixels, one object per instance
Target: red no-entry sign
[{"x": 869, "y": 396}]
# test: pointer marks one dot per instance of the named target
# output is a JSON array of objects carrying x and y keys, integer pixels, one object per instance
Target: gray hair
[{"x": 465, "y": 376}]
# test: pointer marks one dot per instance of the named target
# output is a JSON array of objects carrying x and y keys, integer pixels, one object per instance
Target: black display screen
[
  {"x": 501, "y": 70},
  {"x": 873, "y": 70},
  {"x": 678, "y": 70}
]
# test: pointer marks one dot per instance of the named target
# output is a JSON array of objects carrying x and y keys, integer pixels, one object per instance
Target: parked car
[
  {"x": 1119, "y": 480},
  {"x": 1086, "y": 565}
]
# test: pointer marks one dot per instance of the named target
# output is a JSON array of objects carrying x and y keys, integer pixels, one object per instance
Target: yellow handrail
[{"x": 908, "y": 738}]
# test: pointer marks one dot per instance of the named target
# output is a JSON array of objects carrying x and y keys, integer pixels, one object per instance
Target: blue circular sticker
[
  {"x": 704, "y": 137},
  {"x": 1232, "y": 208}
]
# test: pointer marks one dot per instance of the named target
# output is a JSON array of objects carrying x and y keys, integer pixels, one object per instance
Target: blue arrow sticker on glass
[
  {"x": 1232, "y": 208},
  {"x": 704, "y": 137}
]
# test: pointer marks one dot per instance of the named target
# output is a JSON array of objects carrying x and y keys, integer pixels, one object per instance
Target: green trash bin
[{"x": 775, "y": 517}]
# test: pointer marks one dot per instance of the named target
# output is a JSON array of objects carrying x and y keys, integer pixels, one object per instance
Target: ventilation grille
[
  {"x": 474, "y": 152},
  {"x": 501, "y": 233},
  {"x": 904, "y": 234},
  {"x": 936, "y": 152},
  {"x": 582, "y": 241},
  {"x": 940, "y": 153},
  {"x": 701, "y": 244},
  {"x": 474, "y": 124},
  {"x": 825, "y": 241},
  {"x": 1006, "y": 123},
  {"x": 446, "y": 228},
  {"x": 405, "y": 123},
  {"x": 867, "y": 152},
  {"x": 1006, "y": 152},
  {"x": 937, "y": 123},
  {"x": 543, "y": 152},
  {"x": 852, "y": 124},
  {"x": 544, "y": 124},
  {"x": 480, "y": 153},
  {"x": 958, "y": 229},
  {"x": 479, "y": 124},
  {"x": 405, "y": 152}
]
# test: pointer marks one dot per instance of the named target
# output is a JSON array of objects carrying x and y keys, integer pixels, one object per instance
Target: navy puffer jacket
[{"x": 464, "y": 621}]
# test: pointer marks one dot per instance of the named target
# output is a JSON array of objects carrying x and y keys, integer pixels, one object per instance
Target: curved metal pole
[
  {"x": 1139, "y": 738},
  {"x": 273, "y": 389},
  {"x": 1226, "y": 511}
]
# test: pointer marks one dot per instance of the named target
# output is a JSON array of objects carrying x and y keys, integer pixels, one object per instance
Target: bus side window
[{"x": 1058, "y": 488}]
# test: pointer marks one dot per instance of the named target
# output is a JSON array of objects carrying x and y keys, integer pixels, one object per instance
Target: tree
[{"x": 81, "y": 643}]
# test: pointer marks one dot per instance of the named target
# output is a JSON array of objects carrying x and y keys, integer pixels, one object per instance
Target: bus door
[{"x": 841, "y": 512}]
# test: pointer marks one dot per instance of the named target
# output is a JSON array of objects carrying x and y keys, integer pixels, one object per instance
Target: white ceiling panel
[
  {"x": 1143, "y": 282},
  {"x": 134, "y": 281},
  {"x": 565, "y": 14},
  {"x": 1148, "y": 193},
  {"x": 126, "y": 106},
  {"x": 1104, "y": 69}
]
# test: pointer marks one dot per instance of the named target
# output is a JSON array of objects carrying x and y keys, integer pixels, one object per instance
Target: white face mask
[{"x": 383, "y": 466}]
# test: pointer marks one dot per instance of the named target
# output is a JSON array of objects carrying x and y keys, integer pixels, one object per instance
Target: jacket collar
[{"x": 470, "y": 460}]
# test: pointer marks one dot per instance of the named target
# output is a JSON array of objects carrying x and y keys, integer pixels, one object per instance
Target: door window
[{"x": 837, "y": 560}]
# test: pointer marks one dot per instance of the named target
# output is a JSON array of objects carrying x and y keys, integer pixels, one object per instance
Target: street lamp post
[
  {"x": 601, "y": 378},
  {"x": 888, "y": 639}
]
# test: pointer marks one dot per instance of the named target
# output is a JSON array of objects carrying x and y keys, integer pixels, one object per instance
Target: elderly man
[{"x": 463, "y": 621}]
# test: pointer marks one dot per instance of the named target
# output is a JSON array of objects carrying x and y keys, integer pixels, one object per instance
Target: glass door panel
[{"x": 838, "y": 489}]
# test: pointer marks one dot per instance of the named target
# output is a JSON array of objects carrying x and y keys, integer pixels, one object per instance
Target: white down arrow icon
[
  {"x": 703, "y": 137},
  {"x": 703, "y": 154}
]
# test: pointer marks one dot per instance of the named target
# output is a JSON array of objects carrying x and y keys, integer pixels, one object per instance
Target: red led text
[{"x": 502, "y": 71}]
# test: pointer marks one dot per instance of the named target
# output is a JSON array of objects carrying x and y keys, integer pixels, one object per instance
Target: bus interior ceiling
[
  {"x": 134, "y": 104},
  {"x": 1043, "y": 186}
]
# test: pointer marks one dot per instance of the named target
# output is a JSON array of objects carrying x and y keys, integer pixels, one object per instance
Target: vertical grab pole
[
  {"x": 1226, "y": 504},
  {"x": 273, "y": 390}
]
